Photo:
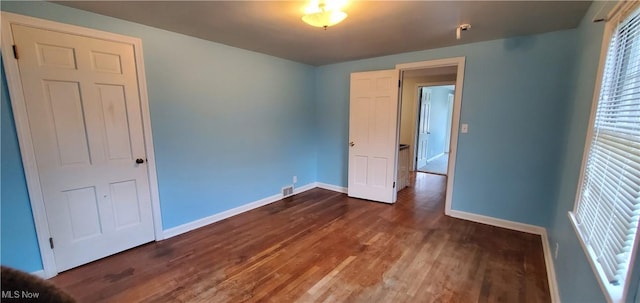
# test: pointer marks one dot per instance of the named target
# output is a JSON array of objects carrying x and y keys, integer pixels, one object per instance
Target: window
[{"x": 608, "y": 201}]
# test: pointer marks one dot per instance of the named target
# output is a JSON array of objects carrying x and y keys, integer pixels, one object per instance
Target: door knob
[
  {"x": 139, "y": 161},
  {"x": 352, "y": 144}
]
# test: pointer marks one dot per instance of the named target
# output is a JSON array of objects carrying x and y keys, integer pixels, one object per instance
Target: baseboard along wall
[
  {"x": 39, "y": 273},
  {"x": 517, "y": 226},
  {"x": 522, "y": 227},
  {"x": 435, "y": 157},
  {"x": 335, "y": 188},
  {"x": 181, "y": 229}
]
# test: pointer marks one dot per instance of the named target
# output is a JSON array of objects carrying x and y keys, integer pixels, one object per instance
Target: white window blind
[{"x": 608, "y": 205}]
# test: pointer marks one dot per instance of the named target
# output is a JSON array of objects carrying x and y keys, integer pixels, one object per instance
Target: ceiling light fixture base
[
  {"x": 324, "y": 17},
  {"x": 460, "y": 28}
]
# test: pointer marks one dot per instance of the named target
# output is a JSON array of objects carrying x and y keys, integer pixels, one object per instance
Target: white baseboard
[
  {"x": 527, "y": 228},
  {"x": 178, "y": 230},
  {"x": 435, "y": 157},
  {"x": 303, "y": 188},
  {"x": 517, "y": 226},
  {"x": 332, "y": 187},
  {"x": 39, "y": 273},
  {"x": 551, "y": 271}
]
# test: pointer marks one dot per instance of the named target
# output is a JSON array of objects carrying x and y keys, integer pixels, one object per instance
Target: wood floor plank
[{"x": 322, "y": 246}]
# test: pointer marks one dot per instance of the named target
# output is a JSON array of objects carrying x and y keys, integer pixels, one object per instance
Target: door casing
[
  {"x": 447, "y": 146},
  {"x": 24, "y": 134},
  {"x": 459, "y": 62}
]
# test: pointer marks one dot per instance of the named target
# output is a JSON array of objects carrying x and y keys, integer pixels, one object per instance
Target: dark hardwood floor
[{"x": 321, "y": 246}]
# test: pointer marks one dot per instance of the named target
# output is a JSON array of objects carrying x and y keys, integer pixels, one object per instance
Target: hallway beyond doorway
[{"x": 438, "y": 165}]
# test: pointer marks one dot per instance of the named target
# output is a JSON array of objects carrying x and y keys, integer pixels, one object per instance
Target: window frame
[{"x": 613, "y": 294}]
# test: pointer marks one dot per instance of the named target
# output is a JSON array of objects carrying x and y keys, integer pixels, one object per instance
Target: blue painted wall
[
  {"x": 576, "y": 279},
  {"x": 18, "y": 234},
  {"x": 513, "y": 99},
  {"x": 226, "y": 120},
  {"x": 438, "y": 123},
  {"x": 230, "y": 126}
]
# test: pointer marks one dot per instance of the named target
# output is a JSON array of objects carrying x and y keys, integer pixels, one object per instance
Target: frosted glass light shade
[{"x": 324, "y": 18}]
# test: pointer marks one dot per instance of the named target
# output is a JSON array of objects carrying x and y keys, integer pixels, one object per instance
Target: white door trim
[
  {"x": 457, "y": 104},
  {"x": 447, "y": 147},
  {"x": 24, "y": 133}
]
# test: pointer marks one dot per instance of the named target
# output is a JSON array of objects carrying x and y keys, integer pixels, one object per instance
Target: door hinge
[
  {"x": 399, "y": 81},
  {"x": 394, "y": 186},
  {"x": 15, "y": 52},
  {"x": 51, "y": 242}
]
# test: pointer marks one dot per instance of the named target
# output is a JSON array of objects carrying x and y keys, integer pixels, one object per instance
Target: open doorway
[
  {"x": 418, "y": 80},
  {"x": 426, "y": 117},
  {"x": 380, "y": 155},
  {"x": 433, "y": 134}
]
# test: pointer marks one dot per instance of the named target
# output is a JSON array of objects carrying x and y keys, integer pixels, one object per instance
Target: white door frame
[
  {"x": 459, "y": 62},
  {"x": 24, "y": 133},
  {"x": 416, "y": 117},
  {"x": 447, "y": 147}
]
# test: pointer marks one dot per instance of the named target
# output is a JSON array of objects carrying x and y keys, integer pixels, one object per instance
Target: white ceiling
[{"x": 373, "y": 28}]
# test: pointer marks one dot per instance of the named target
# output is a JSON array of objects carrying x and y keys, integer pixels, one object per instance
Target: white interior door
[
  {"x": 373, "y": 120},
  {"x": 84, "y": 115},
  {"x": 423, "y": 127}
]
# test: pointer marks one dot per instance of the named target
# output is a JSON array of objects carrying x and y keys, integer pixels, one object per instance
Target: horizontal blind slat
[{"x": 608, "y": 206}]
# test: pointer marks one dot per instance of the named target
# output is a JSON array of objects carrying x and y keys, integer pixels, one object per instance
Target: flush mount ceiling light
[{"x": 324, "y": 13}]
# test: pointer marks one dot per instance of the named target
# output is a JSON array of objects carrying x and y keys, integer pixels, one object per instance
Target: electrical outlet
[
  {"x": 464, "y": 128},
  {"x": 295, "y": 179},
  {"x": 555, "y": 254}
]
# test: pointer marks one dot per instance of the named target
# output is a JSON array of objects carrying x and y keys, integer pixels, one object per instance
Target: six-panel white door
[
  {"x": 373, "y": 146},
  {"x": 84, "y": 115}
]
